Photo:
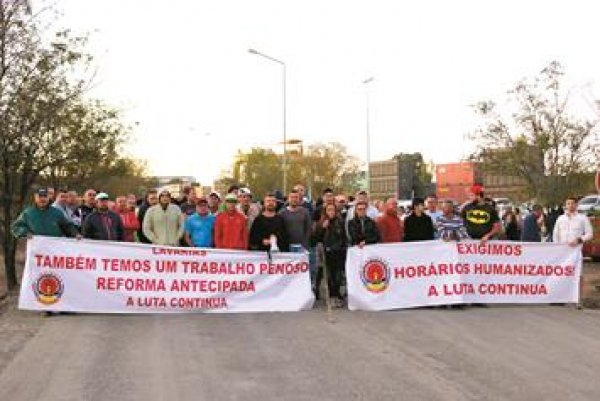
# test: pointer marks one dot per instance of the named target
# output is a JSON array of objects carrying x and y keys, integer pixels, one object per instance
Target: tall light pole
[
  {"x": 366, "y": 82},
  {"x": 284, "y": 161}
]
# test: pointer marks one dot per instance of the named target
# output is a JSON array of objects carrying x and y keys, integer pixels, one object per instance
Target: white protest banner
[
  {"x": 407, "y": 275},
  {"x": 111, "y": 277}
]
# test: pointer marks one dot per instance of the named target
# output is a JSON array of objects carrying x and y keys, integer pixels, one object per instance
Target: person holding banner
[
  {"x": 390, "y": 226},
  {"x": 331, "y": 232},
  {"x": 480, "y": 217},
  {"x": 573, "y": 229},
  {"x": 128, "y": 218},
  {"x": 268, "y": 230},
  {"x": 103, "y": 224},
  {"x": 199, "y": 227},
  {"x": 230, "y": 226},
  {"x": 362, "y": 230},
  {"x": 418, "y": 226},
  {"x": 450, "y": 226},
  {"x": 163, "y": 223},
  {"x": 42, "y": 219}
]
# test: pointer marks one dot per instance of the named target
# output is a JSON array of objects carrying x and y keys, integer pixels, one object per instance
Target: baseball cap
[
  {"x": 231, "y": 198},
  {"x": 245, "y": 191},
  {"x": 215, "y": 194},
  {"x": 101, "y": 196},
  {"x": 42, "y": 192},
  {"x": 477, "y": 189},
  {"x": 202, "y": 200}
]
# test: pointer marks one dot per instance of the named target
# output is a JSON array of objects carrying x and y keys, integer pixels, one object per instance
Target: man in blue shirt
[
  {"x": 199, "y": 227},
  {"x": 531, "y": 225}
]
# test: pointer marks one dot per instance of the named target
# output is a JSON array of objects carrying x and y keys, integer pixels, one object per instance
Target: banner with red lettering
[
  {"x": 114, "y": 277},
  {"x": 407, "y": 275}
]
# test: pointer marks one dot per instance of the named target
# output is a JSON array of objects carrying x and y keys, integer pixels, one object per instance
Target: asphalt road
[{"x": 499, "y": 353}]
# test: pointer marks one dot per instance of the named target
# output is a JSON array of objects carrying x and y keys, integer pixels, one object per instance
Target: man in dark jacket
[
  {"x": 151, "y": 200},
  {"x": 103, "y": 224},
  {"x": 269, "y": 227},
  {"x": 531, "y": 229},
  {"x": 418, "y": 225},
  {"x": 42, "y": 219},
  {"x": 88, "y": 205},
  {"x": 362, "y": 230}
]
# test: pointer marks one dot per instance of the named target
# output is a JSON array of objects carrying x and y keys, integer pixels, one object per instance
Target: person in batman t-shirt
[{"x": 481, "y": 219}]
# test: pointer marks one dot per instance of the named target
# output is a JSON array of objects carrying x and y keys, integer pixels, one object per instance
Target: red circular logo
[
  {"x": 48, "y": 288},
  {"x": 375, "y": 275}
]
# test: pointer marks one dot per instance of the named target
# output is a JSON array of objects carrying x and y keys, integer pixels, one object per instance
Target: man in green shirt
[{"x": 42, "y": 219}]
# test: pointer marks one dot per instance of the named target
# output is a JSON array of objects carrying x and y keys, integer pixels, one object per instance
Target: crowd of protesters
[{"x": 325, "y": 228}]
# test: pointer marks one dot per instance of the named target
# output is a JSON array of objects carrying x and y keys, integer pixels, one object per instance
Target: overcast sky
[{"x": 182, "y": 70}]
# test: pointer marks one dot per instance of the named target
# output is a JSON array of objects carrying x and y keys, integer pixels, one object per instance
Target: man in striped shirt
[{"x": 450, "y": 226}]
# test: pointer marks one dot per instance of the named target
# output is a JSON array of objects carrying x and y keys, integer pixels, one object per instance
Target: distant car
[
  {"x": 588, "y": 203},
  {"x": 592, "y": 248}
]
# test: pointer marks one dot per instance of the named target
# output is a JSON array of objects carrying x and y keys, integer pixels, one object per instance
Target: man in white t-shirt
[{"x": 574, "y": 229}]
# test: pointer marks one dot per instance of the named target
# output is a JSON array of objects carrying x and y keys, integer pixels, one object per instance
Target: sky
[{"x": 181, "y": 70}]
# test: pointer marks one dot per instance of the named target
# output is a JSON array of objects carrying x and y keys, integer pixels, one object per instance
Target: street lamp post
[
  {"x": 284, "y": 161},
  {"x": 366, "y": 82}
]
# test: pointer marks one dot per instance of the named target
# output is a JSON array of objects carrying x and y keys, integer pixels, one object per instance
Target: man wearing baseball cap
[
  {"x": 42, "y": 219},
  {"x": 230, "y": 226},
  {"x": 199, "y": 227},
  {"x": 481, "y": 219},
  {"x": 214, "y": 201},
  {"x": 248, "y": 208},
  {"x": 103, "y": 224}
]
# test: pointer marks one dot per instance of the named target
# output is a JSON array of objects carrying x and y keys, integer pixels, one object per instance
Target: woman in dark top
[
  {"x": 331, "y": 232},
  {"x": 511, "y": 227}
]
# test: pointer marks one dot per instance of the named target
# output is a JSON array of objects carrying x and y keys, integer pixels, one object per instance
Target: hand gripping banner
[
  {"x": 111, "y": 277},
  {"x": 407, "y": 275}
]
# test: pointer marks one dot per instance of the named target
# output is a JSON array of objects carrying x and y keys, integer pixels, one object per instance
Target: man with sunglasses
[{"x": 362, "y": 230}]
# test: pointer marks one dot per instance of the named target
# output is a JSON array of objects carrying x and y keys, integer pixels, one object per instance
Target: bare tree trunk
[{"x": 9, "y": 245}]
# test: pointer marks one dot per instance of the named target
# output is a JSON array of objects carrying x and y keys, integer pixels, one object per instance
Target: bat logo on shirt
[{"x": 478, "y": 216}]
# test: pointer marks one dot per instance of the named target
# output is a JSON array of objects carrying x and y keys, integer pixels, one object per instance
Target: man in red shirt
[
  {"x": 130, "y": 221},
  {"x": 389, "y": 224},
  {"x": 230, "y": 226}
]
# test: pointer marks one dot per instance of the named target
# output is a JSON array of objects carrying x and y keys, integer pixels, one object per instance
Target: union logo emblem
[
  {"x": 48, "y": 288},
  {"x": 375, "y": 275}
]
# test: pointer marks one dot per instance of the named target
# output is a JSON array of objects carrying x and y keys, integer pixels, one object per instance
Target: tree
[
  {"x": 541, "y": 141},
  {"x": 48, "y": 131},
  {"x": 319, "y": 166}
]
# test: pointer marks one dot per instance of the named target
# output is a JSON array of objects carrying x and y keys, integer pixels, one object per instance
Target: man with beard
[
  {"x": 269, "y": 228},
  {"x": 163, "y": 223},
  {"x": 103, "y": 224}
]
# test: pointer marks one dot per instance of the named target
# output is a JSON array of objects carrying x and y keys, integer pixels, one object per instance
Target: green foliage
[
  {"x": 541, "y": 141},
  {"x": 49, "y": 132},
  {"x": 319, "y": 166}
]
